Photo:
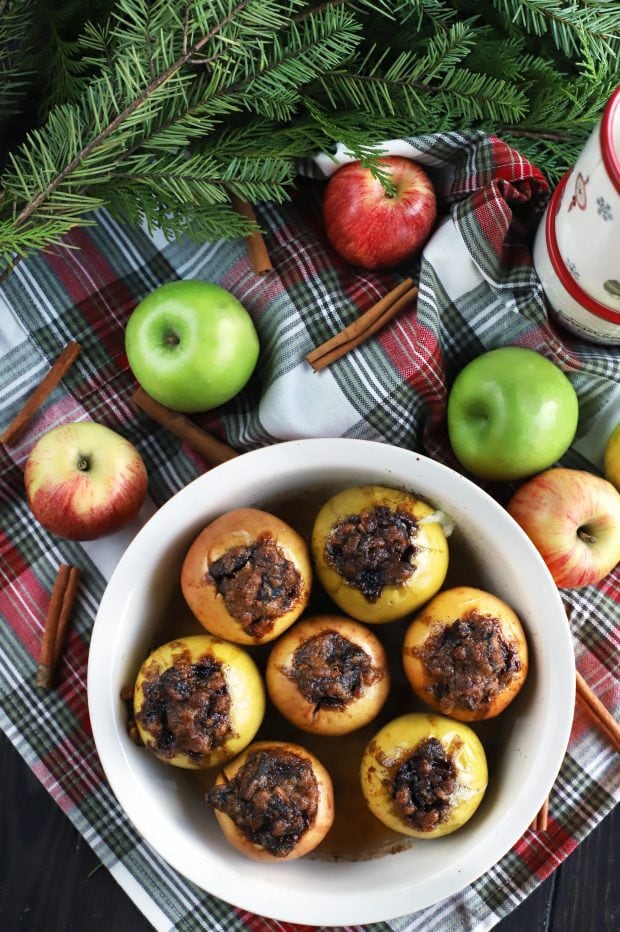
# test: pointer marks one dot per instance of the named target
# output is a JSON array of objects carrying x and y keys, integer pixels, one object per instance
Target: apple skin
[
  {"x": 368, "y": 227},
  {"x": 573, "y": 519},
  {"x": 243, "y": 682},
  {"x": 83, "y": 480},
  {"x": 396, "y": 601},
  {"x": 191, "y": 345},
  {"x": 396, "y": 741},
  {"x": 511, "y": 413},
  {"x": 611, "y": 458},
  {"x": 240, "y": 527},
  {"x": 316, "y": 831}
]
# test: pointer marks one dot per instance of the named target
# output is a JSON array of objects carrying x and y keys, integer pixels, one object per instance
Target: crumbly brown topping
[
  {"x": 423, "y": 786},
  {"x": 187, "y": 707},
  {"x": 331, "y": 671},
  {"x": 258, "y": 584},
  {"x": 373, "y": 549},
  {"x": 469, "y": 662},
  {"x": 272, "y": 799}
]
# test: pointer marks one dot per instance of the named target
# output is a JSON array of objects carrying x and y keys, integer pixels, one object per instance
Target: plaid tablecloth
[{"x": 477, "y": 292}]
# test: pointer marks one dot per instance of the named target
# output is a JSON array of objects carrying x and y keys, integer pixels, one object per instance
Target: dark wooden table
[{"x": 50, "y": 880}]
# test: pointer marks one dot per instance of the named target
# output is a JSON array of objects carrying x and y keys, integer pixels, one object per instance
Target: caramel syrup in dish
[{"x": 356, "y": 834}]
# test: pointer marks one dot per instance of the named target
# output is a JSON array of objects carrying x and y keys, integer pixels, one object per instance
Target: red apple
[
  {"x": 573, "y": 519},
  {"x": 375, "y": 229},
  {"x": 84, "y": 480}
]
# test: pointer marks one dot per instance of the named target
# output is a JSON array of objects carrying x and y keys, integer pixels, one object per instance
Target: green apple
[
  {"x": 611, "y": 457},
  {"x": 511, "y": 413},
  {"x": 191, "y": 345}
]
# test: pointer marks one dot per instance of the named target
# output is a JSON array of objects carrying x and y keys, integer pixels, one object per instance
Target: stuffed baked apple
[
  {"x": 328, "y": 675},
  {"x": 198, "y": 701},
  {"x": 465, "y": 654},
  {"x": 247, "y": 576},
  {"x": 380, "y": 553},
  {"x": 424, "y": 775},
  {"x": 274, "y": 802}
]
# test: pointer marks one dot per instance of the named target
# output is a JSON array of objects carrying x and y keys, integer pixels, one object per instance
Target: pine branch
[
  {"x": 160, "y": 108},
  {"x": 257, "y": 59},
  {"x": 16, "y": 19},
  {"x": 427, "y": 78},
  {"x": 123, "y": 117},
  {"x": 570, "y": 25}
]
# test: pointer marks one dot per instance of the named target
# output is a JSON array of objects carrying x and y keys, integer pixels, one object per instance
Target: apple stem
[
  {"x": 83, "y": 463},
  {"x": 171, "y": 339},
  {"x": 586, "y": 536}
]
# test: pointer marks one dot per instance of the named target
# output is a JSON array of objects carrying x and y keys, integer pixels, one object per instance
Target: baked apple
[
  {"x": 328, "y": 675},
  {"x": 465, "y": 654},
  {"x": 275, "y": 802},
  {"x": 424, "y": 774},
  {"x": 247, "y": 576},
  {"x": 198, "y": 701},
  {"x": 380, "y": 553}
]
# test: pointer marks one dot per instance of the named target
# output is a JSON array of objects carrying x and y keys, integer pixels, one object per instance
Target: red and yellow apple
[
  {"x": 459, "y": 631},
  {"x": 373, "y": 227},
  {"x": 83, "y": 480},
  {"x": 573, "y": 519},
  {"x": 247, "y": 576}
]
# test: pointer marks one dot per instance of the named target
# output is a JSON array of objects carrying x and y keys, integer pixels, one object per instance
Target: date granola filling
[
  {"x": 331, "y": 671},
  {"x": 187, "y": 707},
  {"x": 272, "y": 799},
  {"x": 469, "y": 662},
  {"x": 423, "y": 786},
  {"x": 373, "y": 549},
  {"x": 258, "y": 584}
]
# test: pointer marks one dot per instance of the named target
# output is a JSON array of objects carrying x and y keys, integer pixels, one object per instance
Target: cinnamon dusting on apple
[
  {"x": 198, "y": 701},
  {"x": 376, "y": 555}
]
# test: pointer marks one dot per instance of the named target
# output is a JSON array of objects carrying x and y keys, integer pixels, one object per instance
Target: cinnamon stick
[
  {"x": 65, "y": 613},
  {"x": 56, "y": 623},
  {"x": 257, "y": 251},
  {"x": 23, "y": 417},
  {"x": 364, "y": 327},
  {"x": 597, "y": 712},
  {"x": 200, "y": 440},
  {"x": 541, "y": 822}
]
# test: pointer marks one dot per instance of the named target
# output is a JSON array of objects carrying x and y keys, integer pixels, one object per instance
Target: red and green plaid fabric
[{"x": 477, "y": 292}]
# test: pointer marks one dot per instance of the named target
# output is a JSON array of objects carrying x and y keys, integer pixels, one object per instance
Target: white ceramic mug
[{"x": 577, "y": 246}]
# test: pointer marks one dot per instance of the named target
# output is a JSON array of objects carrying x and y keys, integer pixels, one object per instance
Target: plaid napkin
[{"x": 477, "y": 292}]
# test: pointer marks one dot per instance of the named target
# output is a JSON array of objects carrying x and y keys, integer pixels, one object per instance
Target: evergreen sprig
[
  {"x": 15, "y": 71},
  {"x": 161, "y": 109},
  {"x": 574, "y": 27}
]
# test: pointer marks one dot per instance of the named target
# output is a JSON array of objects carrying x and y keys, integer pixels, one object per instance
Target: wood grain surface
[{"x": 50, "y": 880}]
